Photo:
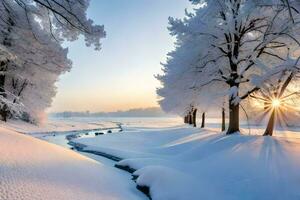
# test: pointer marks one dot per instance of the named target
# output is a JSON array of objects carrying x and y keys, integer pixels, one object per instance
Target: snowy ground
[
  {"x": 175, "y": 161},
  {"x": 33, "y": 169},
  {"x": 58, "y": 125},
  {"x": 182, "y": 163}
]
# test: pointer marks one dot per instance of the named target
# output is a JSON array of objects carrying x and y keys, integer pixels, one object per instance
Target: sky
[{"x": 121, "y": 75}]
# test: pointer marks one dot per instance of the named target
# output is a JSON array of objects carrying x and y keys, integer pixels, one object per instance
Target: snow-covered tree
[
  {"x": 178, "y": 93},
  {"x": 32, "y": 80},
  {"x": 62, "y": 19},
  {"x": 234, "y": 40},
  {"x": 32, "y": 32}
]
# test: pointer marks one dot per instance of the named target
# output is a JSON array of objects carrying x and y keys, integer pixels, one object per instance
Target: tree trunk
[
  {"x": 270, "y": 126},
  {"x": 223, "y": 119},
  {"x": 234, "y": 125},
  {"x": 185, "y": 119},
  {"x": 4, "y": 113},
  {"x": 190, "y": 118},
  {"x": 203, "y": 120},
  {"x": 195, "y": 117},
  {"x": 3, "y": 110}
]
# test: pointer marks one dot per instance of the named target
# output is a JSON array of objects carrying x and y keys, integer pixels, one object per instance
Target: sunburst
[
  {"x": 276, "y": 107},
  {"x": 276, "y": 103}
]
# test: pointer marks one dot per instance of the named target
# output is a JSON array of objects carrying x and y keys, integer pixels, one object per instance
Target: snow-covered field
[
  {"x": 173, "y": 161},
  {"x": 182, "y": 163},
  {"x": 32, "y": 169},
  {"x": 58, "y": 125}
]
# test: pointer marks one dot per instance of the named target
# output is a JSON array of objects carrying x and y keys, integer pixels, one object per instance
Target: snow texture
[
  {"x": 32, "y": 169},
  {"x": 57, "y": 126},
  {"x": 188, "y": 163}
]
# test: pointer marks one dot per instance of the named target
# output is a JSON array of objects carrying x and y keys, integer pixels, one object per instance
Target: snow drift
[
  {"x": 34, "y": 169},
  {"x": 190, "y": 163}
]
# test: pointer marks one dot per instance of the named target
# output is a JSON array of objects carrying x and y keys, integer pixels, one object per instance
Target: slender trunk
[
  {"x": 186, "y": 119},
  {"x": 195, "y": 117},
  {"x": 4, "y": 113},
  {"x": 271, "y": 123},
  {"x": 190, "y": 118},
  {"x": 223, "y": 119},
  {"x": 203, "y": 120},
  {"x": 3, "y": 110},
  {"x": 234, "y": 125}
]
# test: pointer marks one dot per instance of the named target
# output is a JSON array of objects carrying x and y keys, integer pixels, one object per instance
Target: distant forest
[{"x": 138, "y": 112}]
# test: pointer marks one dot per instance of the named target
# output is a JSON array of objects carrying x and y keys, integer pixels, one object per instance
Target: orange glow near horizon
[{"x": 103, "y": 103}]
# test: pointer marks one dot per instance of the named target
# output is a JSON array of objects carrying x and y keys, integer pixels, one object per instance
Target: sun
[{"x": 276, "y": 103}]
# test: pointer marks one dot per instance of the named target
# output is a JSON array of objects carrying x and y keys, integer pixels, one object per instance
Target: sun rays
[{"x": 277, "y": 109}]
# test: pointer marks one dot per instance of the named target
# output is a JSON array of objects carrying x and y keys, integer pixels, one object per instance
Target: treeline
[{"x": 139, "y": 112}]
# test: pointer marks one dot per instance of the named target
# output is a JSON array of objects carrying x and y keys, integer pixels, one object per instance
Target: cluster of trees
[
  {"x": 136, "y": 112},
  {"x": 232, "y": 52},
  {"x": 31, "y": 55}
]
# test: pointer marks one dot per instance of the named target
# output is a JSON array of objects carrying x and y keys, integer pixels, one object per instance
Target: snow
[
  {"x": 57, "y": 125},
  {"x": 190, "y": 163},
  {"x": 34, "y": 169},
  {"x": 174, "y": 161},
  {"x": 160, "y": 187}
]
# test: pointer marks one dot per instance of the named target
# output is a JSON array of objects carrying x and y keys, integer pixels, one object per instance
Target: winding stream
[{"x": 64, "y": 139}]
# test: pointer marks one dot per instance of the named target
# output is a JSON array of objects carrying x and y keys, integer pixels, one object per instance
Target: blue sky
[{"x": 121, "y": 75}]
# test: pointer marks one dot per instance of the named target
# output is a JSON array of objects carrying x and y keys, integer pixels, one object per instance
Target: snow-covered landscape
[
  {"x": 169, "y": 161},
  {"x": 191, "y": 163},
  {"x": 159, "y": 100},
  {"x": 35, "y": 169}
]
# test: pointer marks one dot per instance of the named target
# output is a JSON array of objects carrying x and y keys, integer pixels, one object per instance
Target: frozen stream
[{"x": 61, "y": 139}]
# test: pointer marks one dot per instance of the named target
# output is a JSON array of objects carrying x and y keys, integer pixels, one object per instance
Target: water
[{"x": 61, "y": 138}]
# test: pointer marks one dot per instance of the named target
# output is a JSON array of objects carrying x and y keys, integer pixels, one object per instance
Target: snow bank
[
  {"x": 163, "y": 183},
  {"x": 33, "y": 169},
  {"x": 189, "y": 163},
  {"x": 136, "y": 141}
]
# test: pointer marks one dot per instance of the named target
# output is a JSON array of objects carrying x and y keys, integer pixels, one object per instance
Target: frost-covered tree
[
  {"x": 32, "y": 80},
  {"x": 62, "y": 19},
  {"x": 32, "y": 32},
  {"x": 178, "y": 93},
  {"x": 234, "y": 40}
]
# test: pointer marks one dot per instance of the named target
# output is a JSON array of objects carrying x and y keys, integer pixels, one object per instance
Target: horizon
[{"x": 93, "y": 112}]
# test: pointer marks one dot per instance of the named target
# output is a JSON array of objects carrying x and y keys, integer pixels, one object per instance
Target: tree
[
  {"x": 223, "y": 119},
  {"x": 62, "y": 19},
  {"x": 32, "y": 32},
  {"x": 178, "y": 93},
  {"x": 29, "y": 79},
  {"x": 195, "y": 117},
  {"x": 233, "y": 38},
  {"x": 203, "y": 120}
]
